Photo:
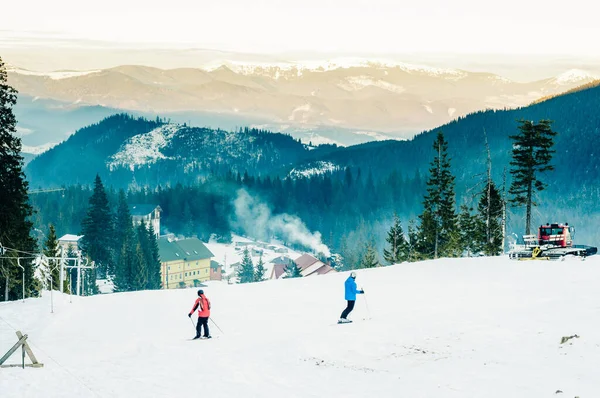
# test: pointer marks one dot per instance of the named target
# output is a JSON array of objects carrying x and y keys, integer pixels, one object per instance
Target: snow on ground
[
  {"x": 144, "y": 148},
  {"x": 318, "y": 167},
  {"x": 480, "y": 327}
]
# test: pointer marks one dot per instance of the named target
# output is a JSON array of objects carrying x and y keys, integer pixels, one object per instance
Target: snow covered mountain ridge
[
  {"x": 333, "y": 99},
  {"x": 299, "y": 67}
]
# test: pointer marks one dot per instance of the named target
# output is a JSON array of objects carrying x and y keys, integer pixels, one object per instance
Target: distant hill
[{"x": 125, "y": 150}]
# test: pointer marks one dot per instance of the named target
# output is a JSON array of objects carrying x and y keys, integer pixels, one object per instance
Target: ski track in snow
[{"x": 480, "y": 327}]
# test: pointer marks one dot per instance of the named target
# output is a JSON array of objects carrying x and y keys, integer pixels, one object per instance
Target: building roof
[
  {"x": 325, "y": 270},
  {"x": 305, "y": 261},
  {"x": 278, "y": 270},
  {"x": 284, "y": 260},
  {"x": 214, "y": 265},
  {"x": 70, "y": 238},
  {"x": 142, "y": 209},
  {"x": 191, "y": 249}
]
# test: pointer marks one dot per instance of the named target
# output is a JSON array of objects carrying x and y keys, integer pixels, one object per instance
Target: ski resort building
[
  {"x": 70, "y": 240},
  {"x": 184, "y": 262}
]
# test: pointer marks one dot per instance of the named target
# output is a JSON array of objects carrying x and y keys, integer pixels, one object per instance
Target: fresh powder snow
[{"x": 477, "y": 327}]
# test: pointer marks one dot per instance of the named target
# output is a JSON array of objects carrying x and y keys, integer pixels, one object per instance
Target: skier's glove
[
  {"x": 189, "y": 315},
  {"x": 362, "y": 291}
]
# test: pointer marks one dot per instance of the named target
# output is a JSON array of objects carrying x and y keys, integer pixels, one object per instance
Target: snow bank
[{"x": 482, "y": 327}]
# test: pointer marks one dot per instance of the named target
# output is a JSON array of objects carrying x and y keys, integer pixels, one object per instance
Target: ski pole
[
  {"x": 191, "y": 320},
  {"x": 216, "y": 325},
  {"x": 367, "y": 305}
]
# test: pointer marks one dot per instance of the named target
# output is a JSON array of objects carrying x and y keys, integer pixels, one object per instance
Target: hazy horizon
[
  {"x": 518, "y": 39},
  {"x": 44, "y": 55}
]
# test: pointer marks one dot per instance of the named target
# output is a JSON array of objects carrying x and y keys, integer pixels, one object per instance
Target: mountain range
[
  {"x": 344, "y": 102},
  {"x": 131, "y": 152},
  {"x": 169, "y": 152}
]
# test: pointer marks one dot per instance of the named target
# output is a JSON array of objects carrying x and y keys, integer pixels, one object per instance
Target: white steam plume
[{"x": 256, "y": 219}]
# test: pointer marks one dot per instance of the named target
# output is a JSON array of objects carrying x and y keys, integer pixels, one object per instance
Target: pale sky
[{"x": 272, "y": 26}]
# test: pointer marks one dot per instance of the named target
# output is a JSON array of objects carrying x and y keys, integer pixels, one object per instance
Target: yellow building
[{"x": 184, "y": 262}]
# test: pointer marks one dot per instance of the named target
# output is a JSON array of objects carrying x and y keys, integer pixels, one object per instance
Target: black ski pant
[
  {"x": 202, "y": 320},
  {"x": 348, "y": 309}
]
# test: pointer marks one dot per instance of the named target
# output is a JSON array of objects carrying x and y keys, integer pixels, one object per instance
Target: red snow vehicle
[{"x": 553, "y": 241}]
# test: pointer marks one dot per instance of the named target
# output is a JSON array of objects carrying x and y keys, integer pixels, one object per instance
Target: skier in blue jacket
[{"x": 350, "y": 296}]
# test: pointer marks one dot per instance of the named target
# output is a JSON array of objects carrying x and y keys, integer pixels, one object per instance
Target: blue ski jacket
[{"x": 350, "y": 288}]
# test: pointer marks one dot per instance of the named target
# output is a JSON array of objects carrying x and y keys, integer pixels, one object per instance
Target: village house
[
  {"x": 149, "y": 214},
  {"x": 216, "y": 273},
  {"x": 184, "y": 262},
  {"x": 310, "y": 265},
  {"x": 279, "y": 266}
]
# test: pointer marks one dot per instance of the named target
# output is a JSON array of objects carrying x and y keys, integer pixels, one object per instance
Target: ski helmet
[
  {"x": 200, "y": 292},
  {"x": 353, "y": 274}
]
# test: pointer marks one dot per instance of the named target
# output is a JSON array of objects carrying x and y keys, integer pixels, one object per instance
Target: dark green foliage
[
  {"x": 488, "y": 228},
  {"x": 245, "y": 272},
  {"x": 15, "y": 210},
  {"x": 89, "y": 277},
  {"x": 467, "y": 224},
  {"x": 152, "y": 260},
  {"x": 98, "y": 231},
  {"x": 125, "y": 242},
  {"x": 531, "y": 156},
  {"x": 398, "y": 246},
  {"x": 51, "y": 250},
  {"x": 259, "y": 273},
  {"x": 438, "y": 219},
  {"x": 293, "y": 271},
  {"x": 140, "y": 273},
  {"x": 369, "y": 259}
]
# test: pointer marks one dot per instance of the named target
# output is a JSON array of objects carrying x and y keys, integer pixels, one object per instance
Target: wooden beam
[
  {"x": 13, "y": 349},
  {"x": 28, "y": 351}
]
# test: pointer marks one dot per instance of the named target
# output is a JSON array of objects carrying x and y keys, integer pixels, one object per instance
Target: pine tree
[
  {"x": 245, "y": 272},
  {"x": 15, "y": 210},
  {"x": 489, "y": 224},
  {"x": 125, "y": 243},
  {"x": 438, "y": 219},
  {"x": 399, "y": 247},
  {"x": 98, "y": 231},
  {"x": 140, "y": 273},
  {"x": 51, "y": 250},
  {"x": 369, "y": 259},
  {"x": 292, "y": 270},
  {"x": 531, "y": 156},
  {"x": 466, "y": 226},
  {"x": 153, "y": 260},
  {"x": 413, "y": 242},
  {"x": 259, "y": 274}
]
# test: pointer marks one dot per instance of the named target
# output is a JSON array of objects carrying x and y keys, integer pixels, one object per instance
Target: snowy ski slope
[{"x": 481, "y": 327}]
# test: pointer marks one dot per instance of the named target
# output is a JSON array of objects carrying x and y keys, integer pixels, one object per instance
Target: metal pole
[
  {"x": 51, "y": 296},
  {"x": 79, "y": 277},
  {"x": 216, "y": 325},
  {"x": 23, "y": 280},
  {"x": 62, "y": 270},
  {"x": 70, "y": 286}
]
